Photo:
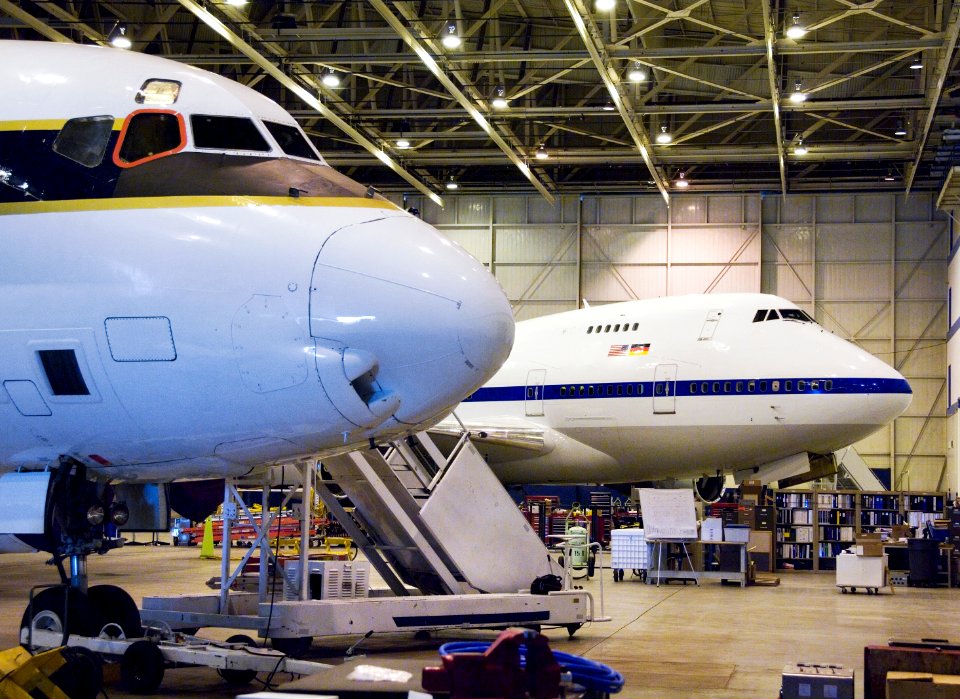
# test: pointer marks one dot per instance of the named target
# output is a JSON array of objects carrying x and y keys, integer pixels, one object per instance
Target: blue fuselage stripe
[{"x": 711, "y": 388}]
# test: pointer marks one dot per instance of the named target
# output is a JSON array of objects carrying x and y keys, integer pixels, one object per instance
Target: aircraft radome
[
  {"x": 190, "y": 291},
  {"x": 678, "y": 387}
]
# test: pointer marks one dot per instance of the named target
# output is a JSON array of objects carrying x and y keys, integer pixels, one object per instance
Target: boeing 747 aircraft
[
  {"x": 190, "y": 291},
  {"x": 681, "y": 387}
]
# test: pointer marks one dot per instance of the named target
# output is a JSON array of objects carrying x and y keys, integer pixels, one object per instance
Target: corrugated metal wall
[{"x": 870, "y": 267}]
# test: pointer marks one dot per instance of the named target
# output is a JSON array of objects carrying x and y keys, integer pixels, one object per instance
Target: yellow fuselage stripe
[
  {"x": 44, "y": 124},
  {"x": 186, "y": 202}
]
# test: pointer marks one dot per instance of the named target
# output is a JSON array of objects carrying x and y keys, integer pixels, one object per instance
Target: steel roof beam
[
  {"x": 434, "y": 67},
  {"x": 944, "y": 58},
  {"x": 769, "y": 39},
  {"x": 590, "y": 35},
  {"x": 34, "y": 23}
]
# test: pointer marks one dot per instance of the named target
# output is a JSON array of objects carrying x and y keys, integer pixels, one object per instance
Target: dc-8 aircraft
[
  {"x": 190, "y": 291},
  {"x": 681, "y": 387}
]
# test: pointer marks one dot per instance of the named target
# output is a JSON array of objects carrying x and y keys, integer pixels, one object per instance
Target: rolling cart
[{"x": 628, "y": 551}]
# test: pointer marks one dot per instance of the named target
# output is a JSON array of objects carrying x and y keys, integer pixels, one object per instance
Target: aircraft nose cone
[{"x": 432, "y": 320}]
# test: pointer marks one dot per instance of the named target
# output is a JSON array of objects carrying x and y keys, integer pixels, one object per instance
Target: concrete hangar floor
[{"x": 673, "y": 641}]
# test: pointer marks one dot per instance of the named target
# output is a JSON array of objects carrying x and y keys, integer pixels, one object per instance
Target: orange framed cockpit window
[{"x": 149, "y": 134}]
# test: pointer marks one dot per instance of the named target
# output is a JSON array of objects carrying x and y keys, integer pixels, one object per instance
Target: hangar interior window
[
  {"x": 291, "y": 140},
  {"x": 63, "y": 372},
  {"x": 84, "y": 139},
  {"x": 148, "y": 135},
  {"x": 227, "y": 133}
]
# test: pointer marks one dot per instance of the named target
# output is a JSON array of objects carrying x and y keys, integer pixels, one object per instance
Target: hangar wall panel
[{"x": 871, "y": 267}]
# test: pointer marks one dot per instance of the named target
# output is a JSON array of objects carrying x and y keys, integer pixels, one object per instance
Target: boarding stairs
[{"x": 442, "y": 524}]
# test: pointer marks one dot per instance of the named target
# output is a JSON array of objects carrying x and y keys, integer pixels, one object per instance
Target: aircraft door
[
  {"x": 665, "y": 389},
  {"x": 533, "y": 398},
  {"x": 710, "y": 324}
]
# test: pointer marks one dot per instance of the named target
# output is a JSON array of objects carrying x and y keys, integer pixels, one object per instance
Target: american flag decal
[{"x": 618, "y": 350}]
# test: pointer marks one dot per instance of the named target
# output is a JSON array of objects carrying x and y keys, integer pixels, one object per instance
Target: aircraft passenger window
[
  {"x": 85, "y": 139},
  {"x": 801, "y": 386},
  {"x": 760, "y": 316},
  {"x": 751, "y": 385},
  {"x": 789, "y": 386},
  {"x": 620, "y": 390},
  {"x": 716, "y": 387},
  {"x": 563, "y": 391},
  {"x": 589, "y": 330},
  {"x": 590, "y": 391},
  {"x": 530, "y": 392},
  {"x": 606, "y": 329},
  {"x": 636, "y": 325},
  {"x": 639, "y": 389},
  {"x": 581, "y": 391},
  {"x": 148, "y": 135},
  {"x": 763, "y": 387},
  {"x": 773, "y": 315},
  {"x": 704, "y": 388},
  {"x": 291, "y": 140},
  {"x": 739, "y": 386},
  {"x": 658, "y": 389},
  {"x": 828, "y": 385},
  {"x": 726, "y": 387},
  {"x": 616, "y": 328},
  {"x": 227, "y": 133},
  {"x": 776, "y": 387},
  {"x": 629, "y": 389},
  {"x": 693, "y": 387},
  {"x": 814, "y": 385}
]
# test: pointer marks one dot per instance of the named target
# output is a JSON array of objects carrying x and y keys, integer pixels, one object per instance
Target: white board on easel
[{"x": 668, "y": 513}]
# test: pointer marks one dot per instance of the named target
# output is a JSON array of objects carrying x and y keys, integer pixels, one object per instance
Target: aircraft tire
[
  {"x": 116, "y": 607},
  {"x": 142, "y": 667},
  {"x": 55, "y": 604},
  {"x": 82, "y": 676},
  {"x": 239, "y": 676}
]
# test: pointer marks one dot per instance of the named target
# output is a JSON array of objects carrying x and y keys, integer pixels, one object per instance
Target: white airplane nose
[{"x": 419, "y": 322}]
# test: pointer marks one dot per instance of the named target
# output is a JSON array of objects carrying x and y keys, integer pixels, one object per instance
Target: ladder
[{"x": 442, "y": 524}]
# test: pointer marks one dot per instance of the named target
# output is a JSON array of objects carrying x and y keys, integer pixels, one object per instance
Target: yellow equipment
[{"x": 26, "y": 676}]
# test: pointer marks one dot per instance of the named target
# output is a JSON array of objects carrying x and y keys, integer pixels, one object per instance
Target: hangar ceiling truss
[{"x": 880, "y": 80}]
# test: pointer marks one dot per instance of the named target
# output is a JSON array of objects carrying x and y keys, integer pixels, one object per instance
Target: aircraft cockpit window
[
  {"x": 227, "y": 133},
  {"x": 85, "y": 139},
  {"x": 291, "y": 140},
  {"x": 158, "y": 93},
  {"x": 760, "y": 316},
  {"x": 795, "y": 314},
  {"x": 149, "y": 134},
  {"x": 773, "y": 315}
]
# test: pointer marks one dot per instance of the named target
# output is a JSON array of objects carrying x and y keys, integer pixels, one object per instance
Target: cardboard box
[
  {"x": 816, "y": 682},
  {"x": 922, "y": 685},
  {"x": 711, "y": 529},
  {"x": 869, "y": 545},
  {"x": 750, "y": 492},
  {"x": 736, "y": 532}
]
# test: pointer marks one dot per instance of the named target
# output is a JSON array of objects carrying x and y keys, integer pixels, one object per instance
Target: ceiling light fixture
[
  {"x": 798, "y": 95},
  {"x": 901, "y": 129},
  {"x": 451, "y": 39},
  {"x": 800, "y": 149},
  {"x": 403, "y": 143},
  {"x": 681, "y": 182},
  {"x": 637, "y": 74},
  {"x": 916, "y": 63},
  {"x": 605, "y": 5},
  {"x": 796, "y": 30},
  {"x": 500, "y": 101},
  {"x": 119, "y": 38},
  {"x": 452, "y": 183},
  {"x": 608, "y": 107},
  {"x": 663, "y": 137},
  {"x": 330, "y": 79},
  {"x": 542, "y": 153},
  {"x": 237, "y": 3},
  {"x": 889, "y": 176}
]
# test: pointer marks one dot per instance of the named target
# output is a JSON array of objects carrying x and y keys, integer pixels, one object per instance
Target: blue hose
[{"x": 589, "y": 674}]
